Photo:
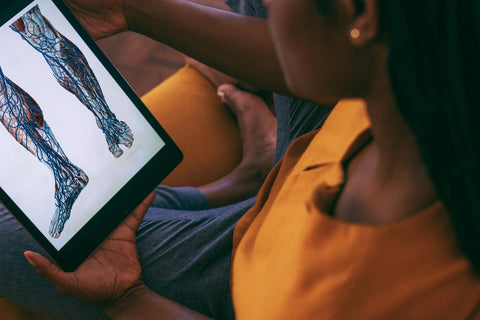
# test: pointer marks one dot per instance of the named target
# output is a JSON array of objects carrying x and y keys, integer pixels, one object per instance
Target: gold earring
[{"x": 354, "y": 33}]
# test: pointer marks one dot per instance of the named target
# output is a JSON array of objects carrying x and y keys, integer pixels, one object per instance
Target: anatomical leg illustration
[
  {"x": 72, "y": 72},
  {"x": 23, "y": 118}
]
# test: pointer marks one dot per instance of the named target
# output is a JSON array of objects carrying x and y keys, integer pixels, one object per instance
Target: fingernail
[
  {"x": 223, "y": 96},
  {"x": 29, "y": 259}
]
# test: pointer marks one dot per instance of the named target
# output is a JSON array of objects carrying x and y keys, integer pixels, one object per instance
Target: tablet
[{"x": 79, "y": 149}]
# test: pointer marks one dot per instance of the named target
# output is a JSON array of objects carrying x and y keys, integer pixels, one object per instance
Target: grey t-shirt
[{"x": 295, "y": 117}]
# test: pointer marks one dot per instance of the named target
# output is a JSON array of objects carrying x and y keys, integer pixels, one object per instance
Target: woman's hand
[
  {"x": 108, "y": 273},
  {"x": 101, "y": 18}
]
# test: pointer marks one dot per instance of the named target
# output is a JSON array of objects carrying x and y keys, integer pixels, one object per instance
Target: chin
[
  {"x": 301, "y": 90},
  {"x": 296, "y": 86},
  {"x": 307, "y": 90}
]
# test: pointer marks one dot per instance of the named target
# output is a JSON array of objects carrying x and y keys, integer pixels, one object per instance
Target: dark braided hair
[{"x": 434, "y": 68}]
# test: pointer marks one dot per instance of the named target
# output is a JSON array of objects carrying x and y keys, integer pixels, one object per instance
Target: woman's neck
[
  {"x": 387, "y": 181},
  {"x": 397, "y": 149}
]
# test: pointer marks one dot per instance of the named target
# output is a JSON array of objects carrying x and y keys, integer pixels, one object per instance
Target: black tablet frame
[{"x": 84, "y": 243}]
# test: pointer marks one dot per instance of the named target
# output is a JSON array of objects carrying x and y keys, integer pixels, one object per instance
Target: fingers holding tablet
[
  {"x": 101, "y": 18},
  {"x": 112, "y": 268}
]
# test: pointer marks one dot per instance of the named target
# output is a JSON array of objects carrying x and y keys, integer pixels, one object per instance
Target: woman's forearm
[
  {"x": 142, "y": 303},
  {"x": 237, "y": 45}
]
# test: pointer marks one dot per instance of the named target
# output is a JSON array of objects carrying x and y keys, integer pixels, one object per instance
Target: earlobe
[
  {"x": 354, "y": 33},
  {"x": 364, "y": 28}
]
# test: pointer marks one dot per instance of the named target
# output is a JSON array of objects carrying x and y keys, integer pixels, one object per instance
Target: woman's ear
[{"x": 364, "y": 25}]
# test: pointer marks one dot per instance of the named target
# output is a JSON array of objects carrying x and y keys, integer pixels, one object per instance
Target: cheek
[
  {"x": 305, "y": 56},
  {"x": 287, "y": 27},
  {"x": 303, "y": 72},
  {"x": 314, "y": 75},
  {"x": 318, "y": 62},
  {"x": 305, "y": 44}
]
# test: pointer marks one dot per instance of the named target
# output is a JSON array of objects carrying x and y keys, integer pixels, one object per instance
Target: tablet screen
[{"x": 71, "y": 137}]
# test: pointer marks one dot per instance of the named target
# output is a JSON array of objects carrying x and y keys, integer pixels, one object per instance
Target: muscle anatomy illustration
[
  {"x": 72, "y": 72},
  {"x": 23, "y": 118}
]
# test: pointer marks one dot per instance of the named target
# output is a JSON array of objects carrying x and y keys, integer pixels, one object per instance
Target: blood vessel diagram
[
  {"x": 23, "y": 118},
  {"x": 72, "y": 72}
]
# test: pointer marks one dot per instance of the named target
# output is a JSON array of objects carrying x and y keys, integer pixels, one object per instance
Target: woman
[{"x": 374, "y": 216}]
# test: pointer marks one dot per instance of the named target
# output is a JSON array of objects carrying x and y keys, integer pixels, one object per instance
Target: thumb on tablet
[
  {"x": 46, "y": 269},
  {"x": 135, "y": 218}
]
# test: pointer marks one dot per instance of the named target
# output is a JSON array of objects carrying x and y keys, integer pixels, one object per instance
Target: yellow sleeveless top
[{"x": 294, "y": 261}]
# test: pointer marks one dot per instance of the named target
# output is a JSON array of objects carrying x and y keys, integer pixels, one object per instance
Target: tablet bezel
[{"x": 84, "y": 243}]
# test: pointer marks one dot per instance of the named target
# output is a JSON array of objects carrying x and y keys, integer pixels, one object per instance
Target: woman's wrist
[
  {"x": 139, "y": 302},
  {"x": 144, "y": 16},
  {"x": 126, "y": 301}
]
